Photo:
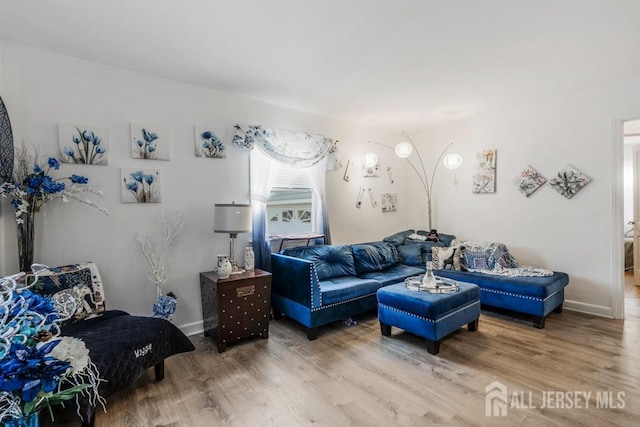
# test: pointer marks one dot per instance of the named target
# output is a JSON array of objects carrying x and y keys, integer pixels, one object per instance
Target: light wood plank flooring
[{"x": 355, "y": 376}]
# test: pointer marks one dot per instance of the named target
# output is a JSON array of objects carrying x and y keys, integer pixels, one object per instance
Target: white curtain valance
[{"x": 295, "y": 149}]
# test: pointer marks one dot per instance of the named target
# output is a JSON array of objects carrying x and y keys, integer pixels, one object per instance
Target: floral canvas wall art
[
  {"x": 484, "y": 180},
  {"x": 83, "y": 144},
  {"x": 210, "y": 143},
  {"x": 529, "y": 181},
  {"x": 149, "y": 142},
  {"x": 569, "y": 181},
  {"x": 389, "y": 202},
  {"x": 140, "y": 185}
]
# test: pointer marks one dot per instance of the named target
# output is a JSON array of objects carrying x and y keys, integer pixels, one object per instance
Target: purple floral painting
[{"x": 529, "y": 181}]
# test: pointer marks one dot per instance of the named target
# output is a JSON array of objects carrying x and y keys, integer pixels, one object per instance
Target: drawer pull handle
[{"x": 246, "y": 291}]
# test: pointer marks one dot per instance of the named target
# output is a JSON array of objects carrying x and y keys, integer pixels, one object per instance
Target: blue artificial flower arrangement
[
  {"x": 38, "y": 368},
  {"x": 33, "y": 185}
]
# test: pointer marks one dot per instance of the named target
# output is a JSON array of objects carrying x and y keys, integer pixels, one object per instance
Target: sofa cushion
[
  {"x": 540, "y": 287},
  {"x": 398, "y": 238},
  {"x": 410, "y": 254},
  {"x": 79, "y": 283},
  {"x": 375, "y": 256},
  {"x": 341, "y": 289},
  {"x": 394, "y": 274},
  {"x": 329, "y": 260}
]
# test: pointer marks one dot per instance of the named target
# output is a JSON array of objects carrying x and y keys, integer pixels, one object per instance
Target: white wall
[
  {"x": 43, "y": 89},
  {"x": 546, "y": 230}
]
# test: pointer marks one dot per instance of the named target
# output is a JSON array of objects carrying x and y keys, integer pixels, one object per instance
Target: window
[{"x": 290, "y": 204}]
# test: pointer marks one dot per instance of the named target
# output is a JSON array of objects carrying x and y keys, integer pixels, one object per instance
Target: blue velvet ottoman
[{"x": 431, "y": 316}]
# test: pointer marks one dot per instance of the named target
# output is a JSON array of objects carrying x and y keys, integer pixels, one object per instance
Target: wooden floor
[{"x": 354, "y": 376}]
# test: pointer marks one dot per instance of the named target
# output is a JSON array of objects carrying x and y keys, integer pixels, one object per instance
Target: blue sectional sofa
[{"x": 317, "y": 285}]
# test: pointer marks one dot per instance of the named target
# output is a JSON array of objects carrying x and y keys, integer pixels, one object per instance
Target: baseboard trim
[
  {"x": 194, "y": 328},
  {"x": 582, "y": 307}
]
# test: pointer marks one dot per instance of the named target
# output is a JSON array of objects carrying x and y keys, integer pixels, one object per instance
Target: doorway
[{"x": 631, "y": 212}]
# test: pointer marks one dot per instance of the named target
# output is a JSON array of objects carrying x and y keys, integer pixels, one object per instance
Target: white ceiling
[{"x": 399, "y": 65}]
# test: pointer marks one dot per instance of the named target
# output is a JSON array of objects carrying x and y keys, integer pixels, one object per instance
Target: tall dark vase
[{"x": 25, "y": 241}]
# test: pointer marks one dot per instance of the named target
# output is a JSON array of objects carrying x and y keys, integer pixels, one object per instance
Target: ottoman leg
[
  {"x": 558, "y": 309},
  {"x": 473, "y": 326},
  {"x": 385, "y": 329},
  {"x": 433, "y": 347},
  {"x": 538, "y": 322}
]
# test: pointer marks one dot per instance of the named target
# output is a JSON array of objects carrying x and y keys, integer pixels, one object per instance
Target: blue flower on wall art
[
  {"x": 140, "y": 185},
  {"x": 149, "y": 142},
  {"x": 209, "y": 143},
  {"x": 82, "y": 144}
]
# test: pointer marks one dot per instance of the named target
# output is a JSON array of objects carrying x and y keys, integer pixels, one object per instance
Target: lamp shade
[
  {"x": 232, "y": 218},
  {"x": 370, "y": 160},
  {"x": 452, "y": 161},
  {"x": 403, "y": 150}
]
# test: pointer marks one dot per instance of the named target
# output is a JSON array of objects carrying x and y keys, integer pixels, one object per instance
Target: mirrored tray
[{"x": 442, "y": 286}]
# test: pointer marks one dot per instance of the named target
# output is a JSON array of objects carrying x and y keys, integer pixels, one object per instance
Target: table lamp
[{"x": 233, "y": 219}]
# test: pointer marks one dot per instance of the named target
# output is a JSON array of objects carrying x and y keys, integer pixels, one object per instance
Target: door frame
[{"x": 617, "y": 223}]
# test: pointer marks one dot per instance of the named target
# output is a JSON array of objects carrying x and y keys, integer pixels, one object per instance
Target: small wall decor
[
  {"x": 347, "y": 171},
  {"x": 140, "y": 185},
  {"x": 389, "y": 202},
  {"x": 209, "y": 142},
  {"x": 359, "y": 198},
  {"x": 391, "y": 181},
  {"x": 83, "y": 144},
  {"x": 484, "y": 180},
  {"x": 149, "y": 142},
  {"x": 241, "y": 140},
  {"x": 371, "y": 171},
  {"x": 569, "y": 181},
  {"x": 374, "y": 202},
  {"x": 529, "y": 181}
]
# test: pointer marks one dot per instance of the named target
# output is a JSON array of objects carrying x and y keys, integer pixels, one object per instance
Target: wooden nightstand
[{"x": 236, "y": 307}]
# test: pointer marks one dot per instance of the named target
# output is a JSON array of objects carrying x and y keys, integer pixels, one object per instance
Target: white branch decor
[{"x": 156, "y": 255}]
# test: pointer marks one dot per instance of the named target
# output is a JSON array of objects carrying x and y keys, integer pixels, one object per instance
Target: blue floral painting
[
  {"x": 149, "y": 142},
  {"x": 209, "y": 143},
  {"x": 140, "y": 185},
  {"x": 83, "y": 144}
]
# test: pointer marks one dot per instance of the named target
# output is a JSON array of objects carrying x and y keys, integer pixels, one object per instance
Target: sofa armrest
[{"x": 295, "y": 279}]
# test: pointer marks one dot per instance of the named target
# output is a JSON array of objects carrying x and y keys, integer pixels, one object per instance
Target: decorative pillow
[
  {"x": 76, "y": 290},
  {"x": 473, "y": 260},
  {"x": 398, "y": 238},
  {"x": 445, "y": 258},
  {"x": 329, "y": 260},
  {"x": 416, "y": 236},
  {"x": 410, "y": 254},
  {"x": 374, "y": 256}
]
